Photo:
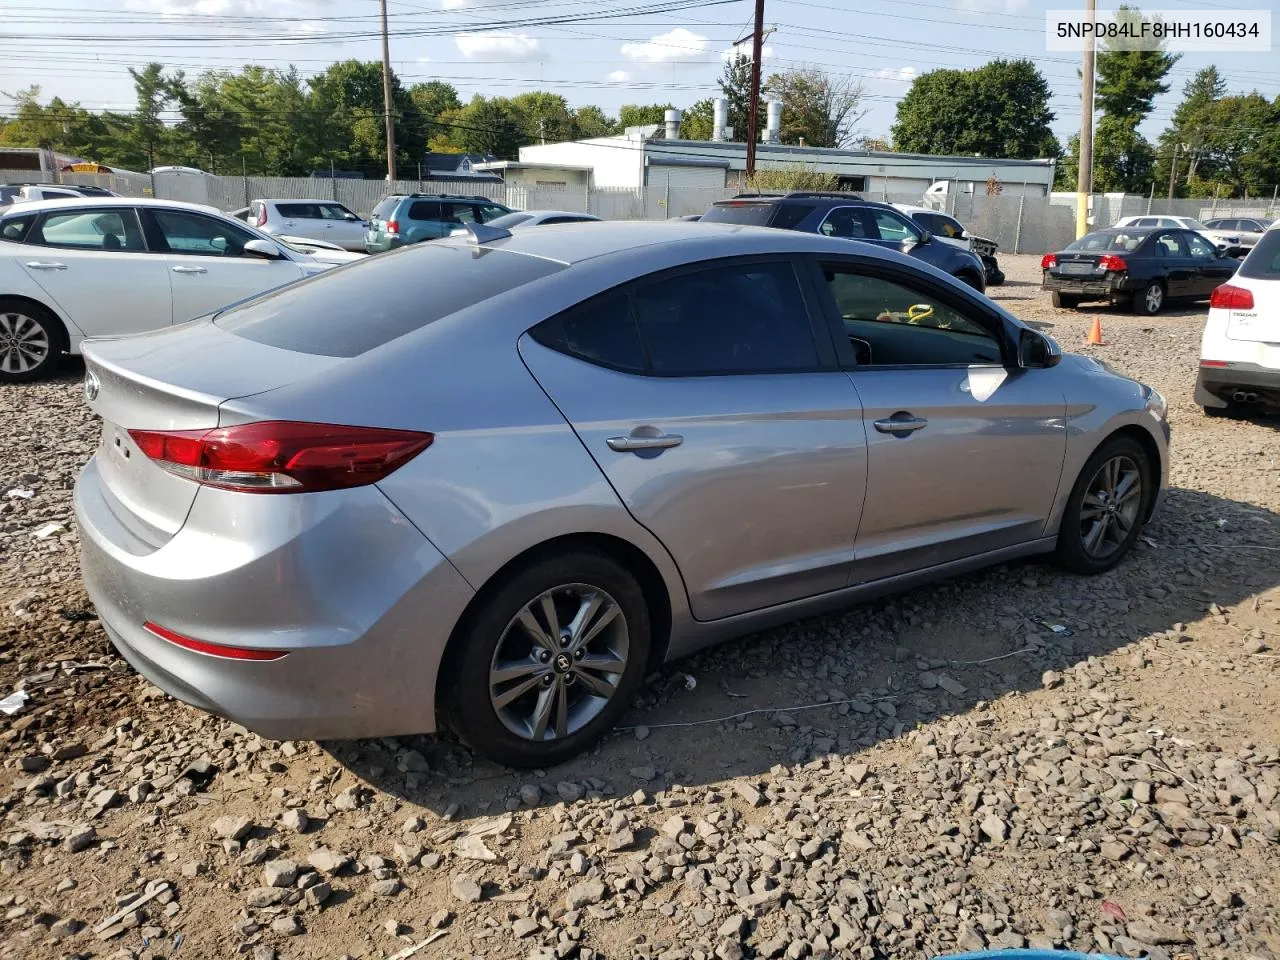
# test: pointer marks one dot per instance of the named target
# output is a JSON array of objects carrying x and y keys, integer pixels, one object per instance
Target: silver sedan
[{"x": 497, "y": 478}]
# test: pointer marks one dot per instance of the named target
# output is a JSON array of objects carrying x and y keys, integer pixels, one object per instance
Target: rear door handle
[
  {"x": 900, "y": 423},
  {"x": 635, "y": 443},
  {"x": 46, "y": 265},
  {"x": 190, "y": 270}
]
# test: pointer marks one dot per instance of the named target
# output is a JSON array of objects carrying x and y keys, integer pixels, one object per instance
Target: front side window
[
  {"x": 944, "y": 226},
  {"x": 333, "y": 211},
  {"x": 890, "y": 324},
  {"x": 894, "y": 228},
  {"x": 461, "y": 214},
  {"x": 1200, "y": 248},
  {"x": 197, "y": 235},
  {"x": 732, "y": 318},
  {"x": 115, "y": 229}
]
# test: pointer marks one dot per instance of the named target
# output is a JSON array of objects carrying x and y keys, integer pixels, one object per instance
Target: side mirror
[
  {"x": 1036, "y": 351},
  {"x": 264, "y": 249},
  {"x": 925, "y": 236}
]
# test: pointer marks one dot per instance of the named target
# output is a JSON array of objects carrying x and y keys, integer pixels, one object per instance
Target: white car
[
  {"x": 325, "y": 220},
  {"x": 1240, "y": 350},
  {"x": 319, "y": 250},
  {"x": 72, "y": 269},
  {"x": 1225, "y": 240}
]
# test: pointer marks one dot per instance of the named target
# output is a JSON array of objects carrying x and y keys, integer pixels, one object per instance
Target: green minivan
[{"x": 413, "y": 217}]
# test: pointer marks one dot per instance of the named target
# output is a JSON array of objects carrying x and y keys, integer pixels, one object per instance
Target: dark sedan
[{"x": 1138, "y": 267}]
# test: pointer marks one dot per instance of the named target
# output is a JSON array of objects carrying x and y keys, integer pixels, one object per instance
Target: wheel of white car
[{"x": 30, "y": 342}]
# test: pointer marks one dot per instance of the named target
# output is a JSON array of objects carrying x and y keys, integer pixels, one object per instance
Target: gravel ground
[{"x": 936, "y": 772}]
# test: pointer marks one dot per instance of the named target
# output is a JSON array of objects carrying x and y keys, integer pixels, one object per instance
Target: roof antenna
[{"x": 479, "y": 233}]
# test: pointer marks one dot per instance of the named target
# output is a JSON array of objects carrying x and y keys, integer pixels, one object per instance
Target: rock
[
  {"x": 749, "y": 794},
  {"x": 328, "y": 861},
  {"x": 465, "y": 889},
  {"x": 69, "y": 751},
  {"x": 295, "y": 819},
  {"x": 231, "y": 827},
  {"x": 729, "y": 950},
  {"x": 1058, "y": 924},
  {"x": 34, "y": 763},
  {"x": 673, "y": 827},
  {"x": 524, "y": 927},
  {"x": 65, "y": 928},
  {"x": 348, "y": 799},
  {"x": 260, "y": 897},
  {"x": 569, "y": 792},
  {"x": 193, "y": 868},
  {"x": 473, "y": 848},
  {"x": 1147, "y": 930},
  {"x": 1051, "y": 679},
  {"x": 583, "y": 894},
  {"x": 412, "y": 761},
  {"x": 952, "y": 685},
  {"x": 995, "y": 829},
  {"x": 264, "y": 952},
  {"x": 1254, "y": 645},
  {"x": 318, "y": 893},
  {"x": 928, "y": 680},
  {"x": 644, "y": 773},
  {"x": 733, "y": 927},
  {"x": 620, "y": 839},
  {"x": 280, "y": 873},
  {"x": 440, "y": 919},
  {"x": 642, "y": 733},
  {"x": 969, "y": 939},
  {"x": 394, "y": 927},
  {"x": 386, "y": 888},
  {"x": 1141, "y": 791},
  {"x": 286, "y": 926},
  {"x": 1113, "y": 850},
  {"x": 81, "y": 838}
]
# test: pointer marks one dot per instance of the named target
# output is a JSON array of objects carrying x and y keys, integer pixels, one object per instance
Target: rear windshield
[
  {"x": 385, "y": 206},
  {"x": 1098, "y": 242},
  {"x": 346, "y": 311},
  {"x": 749, "y": 214},
  {"x": 1263, "y": 262}
]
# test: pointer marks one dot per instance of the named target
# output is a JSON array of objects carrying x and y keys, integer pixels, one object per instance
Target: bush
[{"x": 796, "y": 177}]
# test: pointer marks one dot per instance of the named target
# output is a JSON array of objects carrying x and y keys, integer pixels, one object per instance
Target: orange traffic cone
[{"x": 1095, "y": 333}]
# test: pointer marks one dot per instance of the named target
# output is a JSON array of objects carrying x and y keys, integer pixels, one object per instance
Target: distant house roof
[{"x": 457, "y": 166}]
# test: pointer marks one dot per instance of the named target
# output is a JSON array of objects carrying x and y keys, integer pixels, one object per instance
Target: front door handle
[
  {"x": 190, "y": 270},
  {"x": 901, "y": 423},
  {"x": 636, "y": 443},
  {"x": 46, "y": 265}
]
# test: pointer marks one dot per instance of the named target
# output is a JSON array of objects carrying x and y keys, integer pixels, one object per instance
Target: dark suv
[
  {"x": 404, "y": 218},
  {"x": 849, "y": 216}
]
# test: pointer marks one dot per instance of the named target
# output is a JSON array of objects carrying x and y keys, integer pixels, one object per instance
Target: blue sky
[{"x": 79, "y": 49}]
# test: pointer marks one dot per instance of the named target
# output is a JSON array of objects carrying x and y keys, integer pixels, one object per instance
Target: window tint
[
  {"x": 891, "y": 226},
  {"x": 1199, "y": 247},
  {"x": 299, "y": 211},
  {"x": 791, "y": 214},
  {"x": 850, "y": 223},
  {"x": 114, "y": 229},
  {"x": 345, "y": 311},
  {"x": 15, "y": 228},
  {"x": 193, "y": 234},
  {"x": 1263, "y": 262},
  {"x": 603, "y": 331},
  {"x": 1168, "y": 245},
  {"x": 424, "y": 210},
  {"x": 726, "y": 319},
  {"x": 385, "y": 207},
  {"x": 747, "y": 213},
  {"x": 890, "y": 324}
]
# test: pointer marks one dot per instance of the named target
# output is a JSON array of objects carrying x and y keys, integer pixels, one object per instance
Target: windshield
[
  {"x": 1102, "y": 242},
  {"x": 510, "y": 220},
  {"x": 1193, "y": 224}
]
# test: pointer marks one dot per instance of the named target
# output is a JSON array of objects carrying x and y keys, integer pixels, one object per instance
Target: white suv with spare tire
[{"x": 1240, "y": 352}]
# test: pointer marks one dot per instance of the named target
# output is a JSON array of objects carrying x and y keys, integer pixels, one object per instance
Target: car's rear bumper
[
  {"x": 1218, "y": 386},
  {"x": 359, "y": 599},
  {"x": 1104, "y": 288}
]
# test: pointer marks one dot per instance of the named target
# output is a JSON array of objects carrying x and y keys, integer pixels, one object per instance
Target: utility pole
[
  {"x": 753, "y": 109},
  {"x": 1084, "y": 176},
  {"x": 1173, "y": 173},
  {"x": 387, "y": 117}
]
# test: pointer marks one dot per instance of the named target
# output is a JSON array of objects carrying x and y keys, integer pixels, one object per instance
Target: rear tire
[
  {"x": 31, "y": 342},
  {"x": 535, "y": 701},
  {"x": 1107, "y": 508},
  {"x": 1149, "y": 300},
  {"x": 1064, "y": 301}
]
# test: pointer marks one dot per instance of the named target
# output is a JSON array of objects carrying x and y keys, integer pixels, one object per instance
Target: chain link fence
[{"x": 1019, "y": 224}]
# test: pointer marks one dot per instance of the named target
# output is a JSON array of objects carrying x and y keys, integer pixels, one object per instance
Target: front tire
[
  {"x": 1106, "y": 509},
  {"x": 30, "y": 342},
  {"x": 550, "y": 661},
  {"x": 1150, "y": 299},
  {"x": 1064, "y": 301}
]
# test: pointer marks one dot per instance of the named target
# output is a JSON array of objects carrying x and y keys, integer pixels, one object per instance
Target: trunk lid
[
  {"x": 173, "y": 379},
  {"x": 1261, "y": 324},
  {"x": 1073, "y": 263}
]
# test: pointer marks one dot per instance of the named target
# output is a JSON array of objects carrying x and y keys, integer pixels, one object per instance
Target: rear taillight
[
  {"x": 1111, "y": 263},
  {"x": 1048, "y": 260},
  {"x": 280, "y": 456},
  {"x": 1213, "y": 363},
  {"x": 393, "y": 226},
  {"x": 262, "y": 216},
  {"x": 212, "y": 649},
  {"x": 1227, "y": 297}
]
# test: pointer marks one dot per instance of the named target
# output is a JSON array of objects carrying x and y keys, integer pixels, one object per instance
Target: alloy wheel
[
  {"x": 1154, "y": 298},
  {"x": 1112, "y": 502},
  {"x": 24, "y": 343},
  {"x": 559, "y": 662}
]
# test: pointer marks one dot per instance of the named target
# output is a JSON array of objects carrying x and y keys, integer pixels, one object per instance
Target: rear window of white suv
[{"x": 1263, "y": 262}]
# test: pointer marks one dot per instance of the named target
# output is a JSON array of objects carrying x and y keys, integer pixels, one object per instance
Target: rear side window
[
  {"x": 424, "y": 210},
  {"x": 746, "y": 214},
  {"x": 15, "y": 228},
  {"x": 602, "y": 331},
  {"x": 349, "y": 310},
  {"x": 1263, "y": 262}
]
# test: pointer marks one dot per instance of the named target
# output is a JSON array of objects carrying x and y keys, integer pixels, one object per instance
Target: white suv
[
  {"x": 1240, "y": 351},
  {"x": 325, "y": 220}
]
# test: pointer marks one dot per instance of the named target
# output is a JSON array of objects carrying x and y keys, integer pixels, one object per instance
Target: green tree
[
  {"x": 637, "y": 115},
  {"x": 1241, "y": 145},
  {"x": 1000, "y": 109},
  {"x": 698, "y": 121},
  {"x": 797, "y": 177},
  {"x": 817, "y": 108},
  {"x": 591, "y": 121},
  {"x": 491, "y": 126},
  {"x": 544, "y": 117},
  {"x": 211, "y": 128},
  {"x": 149, "y": 138},
  {"x": 735, "y": 87},
  {"x": 346, "y": 109},
  {"x": 434, "y": 97},
  {"x": 1188, "y": 130}
]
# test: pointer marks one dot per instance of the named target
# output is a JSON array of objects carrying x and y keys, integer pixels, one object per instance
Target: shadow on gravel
[{"x": 935, "y": 652}]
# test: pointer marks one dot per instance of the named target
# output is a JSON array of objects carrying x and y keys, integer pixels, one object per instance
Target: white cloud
[
  {"x": 679, "y": 44},
  {"x": 899, "y": 74},
  {"x": 744, "y": 50},
  {"x": 510, "y": 47},
  {"x": 294, "y": 10},
  {"x": 619, "y": 76},
  {"x": 1006, "y": 7}
]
